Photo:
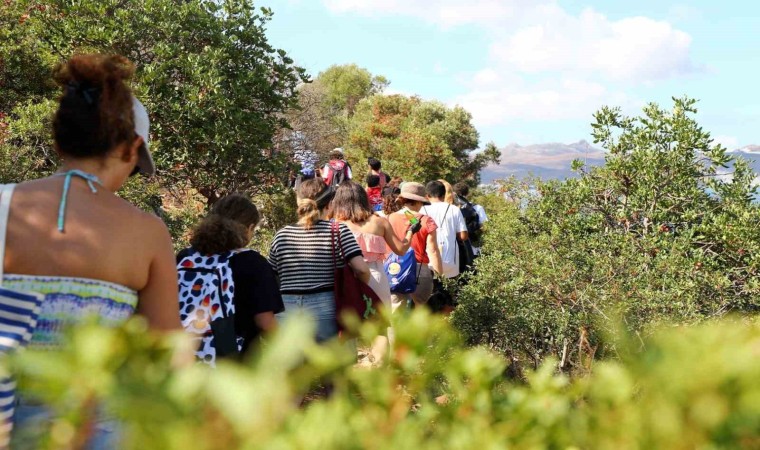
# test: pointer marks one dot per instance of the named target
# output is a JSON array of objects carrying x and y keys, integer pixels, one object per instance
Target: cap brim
[
  {"x": 415, "y": 197},
  {"x": 145, "y": 164}
]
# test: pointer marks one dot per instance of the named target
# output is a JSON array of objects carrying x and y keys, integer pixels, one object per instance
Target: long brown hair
[
  {"x": 313, "y": 197},
  {"x": 226, "y": 227},
  {"x": 350, "y": 203},
  {"x": 95, "y": 111}
]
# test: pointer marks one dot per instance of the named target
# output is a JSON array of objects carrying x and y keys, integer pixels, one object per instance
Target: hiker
[
  {"x": 411, "y": 199},
  {"x": 374, "y": 235},
  {"x": 390, "y": 202},
  {"x": 393, "y": 185},
  {"x": 374, "y": 169},
  {"x": 307, "y": 160},
  {"x": 93, "y": 256},
  {"x": 451, "y": 226},
  {"x": 302, "y": 257},
  {"x": 374, "y": 193},
  {"x": 474, "y": 215},
  {"x": 250, "y": 296},
  {"x": 337, "y": 169}
]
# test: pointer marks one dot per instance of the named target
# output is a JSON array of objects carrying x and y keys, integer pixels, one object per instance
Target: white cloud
[
  {"x": 551, "y": 100},
  {"x": 546, "y": 62},
  {"x": 631, "y": 49},
  {"x": 487, "y": 77}
]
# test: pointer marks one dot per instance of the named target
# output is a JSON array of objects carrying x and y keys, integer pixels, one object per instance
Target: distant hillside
[
  {"x": 752, "y": 154},
  {"x": 552, "y": 160},
  {"x": 548, "y": 161}
]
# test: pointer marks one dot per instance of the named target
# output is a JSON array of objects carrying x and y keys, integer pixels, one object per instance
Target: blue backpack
[{"x": 402, "y": 272}]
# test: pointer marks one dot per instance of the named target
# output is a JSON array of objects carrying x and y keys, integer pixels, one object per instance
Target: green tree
[
  {"x": 417, "y": 139},
  {"x": 665, "y": 231},
  {"x": 346, "y": 85},
  {"x": 215, "y": 88},
  {"x": 318, "y": 123}
]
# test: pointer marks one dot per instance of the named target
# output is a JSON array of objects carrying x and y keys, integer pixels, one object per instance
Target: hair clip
[
  {"x": 90, "y": 94},
  {"x": 324, "y": 198}
]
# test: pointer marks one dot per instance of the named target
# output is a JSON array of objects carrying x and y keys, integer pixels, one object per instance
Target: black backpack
[{"x": 472, "y": 221}]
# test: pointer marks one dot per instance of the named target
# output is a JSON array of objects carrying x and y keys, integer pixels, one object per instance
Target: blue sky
[{"x": 531, "y": 71}]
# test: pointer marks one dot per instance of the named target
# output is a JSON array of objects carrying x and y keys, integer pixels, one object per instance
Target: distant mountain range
[{"x": 552, "y": 160}]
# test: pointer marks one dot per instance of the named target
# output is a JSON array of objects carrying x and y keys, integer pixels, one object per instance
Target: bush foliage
[
  {"x": 694, "y": 387},
  {"x": 666, "y": 231}
]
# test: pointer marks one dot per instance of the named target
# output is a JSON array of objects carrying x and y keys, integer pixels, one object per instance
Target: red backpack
[{"x": 338, "y": 173}]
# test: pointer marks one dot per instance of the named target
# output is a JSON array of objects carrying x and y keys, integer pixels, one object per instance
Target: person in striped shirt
[{"x": 302, "y": 256}]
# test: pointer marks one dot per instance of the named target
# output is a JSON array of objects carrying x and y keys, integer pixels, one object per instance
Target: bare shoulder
[
  {"x": 381, "y": 224},
  {"x": 381, "y": 221},
  {"x": 147, "y": 224}
]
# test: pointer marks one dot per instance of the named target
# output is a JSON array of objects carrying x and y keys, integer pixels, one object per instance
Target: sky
[{"x": 534, "y": 71}]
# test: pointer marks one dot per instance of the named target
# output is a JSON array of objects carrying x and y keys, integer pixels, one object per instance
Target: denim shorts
[
  {"x": 320, "y": 306},
  {"x": 32, "y": 420}
]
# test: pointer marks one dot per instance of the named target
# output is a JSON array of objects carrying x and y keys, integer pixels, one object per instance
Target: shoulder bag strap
[
  {"x": 6, "y": 192},
  {"x": 339, "y": 242},
  {"x": 335, "y": 238}
]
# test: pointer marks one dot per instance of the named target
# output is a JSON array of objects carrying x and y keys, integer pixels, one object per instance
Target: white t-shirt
[{"x": 450, "y": 222}]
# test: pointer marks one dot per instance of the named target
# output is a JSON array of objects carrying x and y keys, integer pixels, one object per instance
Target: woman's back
[
  {"x": 105, "y": 238},
  {"x": 303, "y": 257}
]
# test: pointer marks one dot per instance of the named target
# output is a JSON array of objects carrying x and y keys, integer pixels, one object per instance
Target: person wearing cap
[
  {"x": 70, "y": 238},
  {"x": 412, "y": 199},
  {"x": 336, "y": 163}
]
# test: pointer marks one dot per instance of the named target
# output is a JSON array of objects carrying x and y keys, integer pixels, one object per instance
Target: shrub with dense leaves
[
  {"x": 216, "y": 89},
  {"x": 693, "y": 387},
  {"x": 666, "y": 231}
]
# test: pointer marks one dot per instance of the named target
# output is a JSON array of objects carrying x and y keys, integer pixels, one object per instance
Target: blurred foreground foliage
[{"x": 693, "y": 387}]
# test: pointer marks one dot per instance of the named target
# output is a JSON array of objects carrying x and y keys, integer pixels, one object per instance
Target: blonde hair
[
  {"x": 449, "y": 198},
  {"x": 308, "y": 209}
]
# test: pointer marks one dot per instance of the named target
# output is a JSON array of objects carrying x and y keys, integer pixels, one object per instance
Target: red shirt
[
  {"x": 375, "y": 195},
  {"x": 400, "y": 225}
]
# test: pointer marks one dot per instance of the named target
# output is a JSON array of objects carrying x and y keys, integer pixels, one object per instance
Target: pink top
[{"x": 372, "y": 245}]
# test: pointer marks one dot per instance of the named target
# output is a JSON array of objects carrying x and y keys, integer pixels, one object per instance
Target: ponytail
[
  {"x": 308, "y": 213},
  {"x": 313, "y": 197}
]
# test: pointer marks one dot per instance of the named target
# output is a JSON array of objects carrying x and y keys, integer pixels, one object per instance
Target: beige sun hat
[{"x": 411, "y": 190}]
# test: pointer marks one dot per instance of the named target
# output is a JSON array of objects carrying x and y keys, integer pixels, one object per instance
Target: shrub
[
  {"x": 658, "y": 234},
  {"x": 693, "y": 387}
]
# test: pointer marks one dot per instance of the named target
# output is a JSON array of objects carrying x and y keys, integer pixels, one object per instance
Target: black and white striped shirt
[{"x": 303, "y": 259}]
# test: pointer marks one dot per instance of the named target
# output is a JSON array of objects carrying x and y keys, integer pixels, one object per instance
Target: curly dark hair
[
  {"x": 95, "y": 111},
  {"x": 226, "y": 227}
]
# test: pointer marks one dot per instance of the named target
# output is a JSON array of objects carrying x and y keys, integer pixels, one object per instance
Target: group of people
[{"x": 70, "y": 239}]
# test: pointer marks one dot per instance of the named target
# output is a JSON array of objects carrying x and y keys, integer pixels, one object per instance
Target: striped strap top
[{"x": 69, "y": 301}]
